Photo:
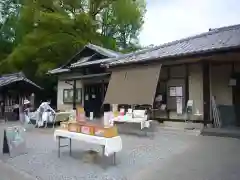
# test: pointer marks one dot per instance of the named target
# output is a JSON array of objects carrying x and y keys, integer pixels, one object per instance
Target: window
[{"x": 68, "y": 95}]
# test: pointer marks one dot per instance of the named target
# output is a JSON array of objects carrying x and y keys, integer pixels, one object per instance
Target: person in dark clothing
[{"x": 2, "y": 108}]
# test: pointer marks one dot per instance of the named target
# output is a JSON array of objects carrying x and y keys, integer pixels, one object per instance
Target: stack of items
[
  {"x": 81, "y": 125},
  {"x": 90, "y": 128}
]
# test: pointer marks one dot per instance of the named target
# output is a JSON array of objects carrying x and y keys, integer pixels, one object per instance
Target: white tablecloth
[
  {"x": 111, "y": 144},
  {"x": 126, "y": 119}
]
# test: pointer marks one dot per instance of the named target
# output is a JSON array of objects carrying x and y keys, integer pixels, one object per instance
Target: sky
[{"x": 169, "y": 20}]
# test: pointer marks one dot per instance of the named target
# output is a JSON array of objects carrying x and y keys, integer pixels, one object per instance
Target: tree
[
  {"x": 38, "y": 35},
  {"x": 123, "y": 20}
]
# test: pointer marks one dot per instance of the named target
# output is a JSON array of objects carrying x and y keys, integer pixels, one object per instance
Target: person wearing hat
[{"x": 23, "y": 111}]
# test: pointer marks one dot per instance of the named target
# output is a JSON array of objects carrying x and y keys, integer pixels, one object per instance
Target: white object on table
[
  {"x": 111, "y": 145},
  {"x": 106, "y": 118},
  {"x": 126, "y": 119},
  {"x": 122, "y": 110},
  {"x": 91, "y": 116},
  {"x": 130, "y": 110},
  {"x": 63, "y": 116}
]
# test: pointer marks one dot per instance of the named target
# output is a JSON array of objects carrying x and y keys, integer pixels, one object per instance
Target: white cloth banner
[{"x": 111, "y": 145}]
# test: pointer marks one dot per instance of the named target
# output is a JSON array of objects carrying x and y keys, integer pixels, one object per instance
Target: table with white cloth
[
  {"x": 110, "y": 145},
  {"x": 144, "y": 123}
]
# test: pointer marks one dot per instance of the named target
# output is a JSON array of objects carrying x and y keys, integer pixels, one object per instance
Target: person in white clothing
[
  {"x": 44, "y": 111},
  {"x": 23, "y": 112}
]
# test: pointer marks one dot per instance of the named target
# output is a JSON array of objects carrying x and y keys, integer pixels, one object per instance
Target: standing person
[
  {"x": 2, "y": 109},
  {"x": 16, "y": 110},
  {"x": 43, "y": 108},
  {"x": 23, "y": 112}
]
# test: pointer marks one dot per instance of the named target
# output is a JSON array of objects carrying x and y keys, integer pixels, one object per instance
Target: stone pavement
[
  {"x": 211, "y": 158},
  {"x": 8, "y": 172},
  {"x": 170, "y": 155}
]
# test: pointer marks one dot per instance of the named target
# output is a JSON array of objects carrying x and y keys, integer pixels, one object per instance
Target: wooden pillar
[
  {"x": 186, "y": 85},
  {"x": 74, "y": 94},
  {"x": 206, "y": 93}
]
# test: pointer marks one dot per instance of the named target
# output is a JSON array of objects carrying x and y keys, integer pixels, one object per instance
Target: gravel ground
[
  {"x": 138, "y": 153},
  {"x": 170, "y": 155}
]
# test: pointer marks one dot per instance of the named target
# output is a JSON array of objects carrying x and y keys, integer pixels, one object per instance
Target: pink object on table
[{"x": 121, "y": 112}]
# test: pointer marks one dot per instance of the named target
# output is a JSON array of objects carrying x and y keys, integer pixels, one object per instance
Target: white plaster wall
[
  {"x": 61, "y": 86},
  {"x": 220, "y": 75}
]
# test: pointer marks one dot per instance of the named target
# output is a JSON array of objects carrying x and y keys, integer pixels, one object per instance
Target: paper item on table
[
  {"x": 110, "y": 118},
  {"x": 114, "y": 107},
  {"x": 115, "y": 113},
  {"x": 107, "y": 117},
  {"x": 122, "y": 112},
  {"x": 130, "y": 110}
]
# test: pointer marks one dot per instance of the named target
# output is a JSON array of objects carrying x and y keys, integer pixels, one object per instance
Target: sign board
[
  {"x": 172, "y": 91},
  {"x": 179, "y": 91},
  {"x": 80, "y": 114},
  {"x": 14, "y": 143}
]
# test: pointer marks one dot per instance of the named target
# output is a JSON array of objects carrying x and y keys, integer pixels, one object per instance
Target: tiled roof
[
  {"x": 58, "y": 70},
  {"x": 101, "y": 50},
  {"x": 84, "y": 61},
  {"x": 214, "y": 40},
  {"x": 87, "y": 63},
  {"x": 15, "y": 77}
]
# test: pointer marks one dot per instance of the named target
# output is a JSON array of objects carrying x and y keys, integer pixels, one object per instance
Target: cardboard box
[
  {"x": 94, "y": 129},
  {"x": 74, "y": 127},
  {"x": 106, "y": 132},
  {"x": 89, "y": 130}
]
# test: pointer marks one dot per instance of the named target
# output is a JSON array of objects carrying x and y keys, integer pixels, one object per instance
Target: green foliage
[{"x": 38, "y": 35}]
